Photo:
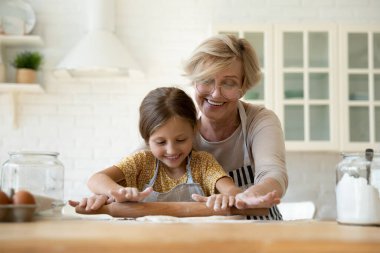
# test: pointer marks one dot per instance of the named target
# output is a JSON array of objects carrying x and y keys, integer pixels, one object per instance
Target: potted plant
[{"x": 27, "y": 64}]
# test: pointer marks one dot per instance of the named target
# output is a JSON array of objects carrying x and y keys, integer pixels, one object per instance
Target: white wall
[{"x": 93, "y": 123}]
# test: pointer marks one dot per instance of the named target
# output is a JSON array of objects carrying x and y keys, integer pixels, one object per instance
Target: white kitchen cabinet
[
  {"x": 322, "y": 81},
  {"x": 306, "y": 91},
  {"x": 360, "y": 83},
  {"x": 9, "y": 90}
]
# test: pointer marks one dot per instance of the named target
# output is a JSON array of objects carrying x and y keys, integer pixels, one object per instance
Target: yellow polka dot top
[{"x": 139, "y": 168}]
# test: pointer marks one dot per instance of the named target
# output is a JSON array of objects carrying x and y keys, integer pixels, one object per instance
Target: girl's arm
[
  {"x": 226, "y": 185},
  {"x": 105, "y": 181},
  {"x": 102, "y": 184},
  {"x": 105, "y": 185}
]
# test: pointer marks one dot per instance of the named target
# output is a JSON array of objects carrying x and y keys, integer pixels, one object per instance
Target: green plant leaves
[{"x": 28, "y": 60}]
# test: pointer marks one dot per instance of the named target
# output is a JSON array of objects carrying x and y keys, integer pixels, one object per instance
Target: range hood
[{"x": 99, "y": 53}]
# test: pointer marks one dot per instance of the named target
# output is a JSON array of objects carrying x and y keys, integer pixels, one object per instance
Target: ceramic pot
[{"x": 26, "y": 76}]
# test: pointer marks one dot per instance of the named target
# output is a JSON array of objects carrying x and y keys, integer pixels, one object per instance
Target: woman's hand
[
  {"x": 92, "y": 203},
  {"x": 216, "y": 201},
  {"x": 130, "y": 194},
  {"x": 249, "y": 199}
]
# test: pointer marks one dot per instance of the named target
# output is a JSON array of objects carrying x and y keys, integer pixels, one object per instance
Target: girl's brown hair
[{"x": 160, "y": 105}]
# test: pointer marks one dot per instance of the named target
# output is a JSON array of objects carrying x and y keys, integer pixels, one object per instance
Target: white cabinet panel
[
  {"x": 360, "y": 86},
  {"x": 306, "y": 86}
]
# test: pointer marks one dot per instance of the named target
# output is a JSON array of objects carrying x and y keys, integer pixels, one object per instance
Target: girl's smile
[{"x": 172, "y": 142}]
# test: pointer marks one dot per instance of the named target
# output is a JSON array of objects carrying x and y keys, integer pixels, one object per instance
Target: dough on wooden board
[
  {"x": 158, "y": 218},
  {"x": 166, "y": 218},
  {"x": 213, "y": 218}
]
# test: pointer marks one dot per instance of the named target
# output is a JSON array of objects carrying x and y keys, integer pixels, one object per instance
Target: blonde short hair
[{"x": 217, "y": 53}]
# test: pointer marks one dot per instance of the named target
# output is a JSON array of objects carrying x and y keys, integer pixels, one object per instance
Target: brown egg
[
  {"x": 23, "y": 198},
  {"x": 4, "y": 199}
]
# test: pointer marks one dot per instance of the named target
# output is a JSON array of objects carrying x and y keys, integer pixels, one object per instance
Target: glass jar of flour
[
  {"x": 357, "y": 188},
  {"x": 40, "y": 173}
]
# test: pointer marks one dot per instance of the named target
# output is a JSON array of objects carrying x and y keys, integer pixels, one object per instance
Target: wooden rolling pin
[{"x": 177, "y": 209}]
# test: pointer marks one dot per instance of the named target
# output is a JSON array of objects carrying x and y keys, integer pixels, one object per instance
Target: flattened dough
[
  {"x": 212, "y": 218},
  {"x": 166, "y": 218},
  {"x": 158, "y": 218}
]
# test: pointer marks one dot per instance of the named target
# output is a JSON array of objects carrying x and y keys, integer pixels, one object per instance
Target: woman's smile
[{"x": 214, "y": 103}]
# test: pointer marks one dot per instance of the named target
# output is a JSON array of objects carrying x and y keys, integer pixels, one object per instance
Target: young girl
[{"x": 170, "y": 170}]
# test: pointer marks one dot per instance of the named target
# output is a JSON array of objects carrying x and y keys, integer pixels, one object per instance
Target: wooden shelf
[
  {"x": 20, "y": 88},
  {"x": 20, "y": 40}
]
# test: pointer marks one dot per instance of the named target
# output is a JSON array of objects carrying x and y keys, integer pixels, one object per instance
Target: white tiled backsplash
[
  {"x": 93, "y": 123},
  {"x": 312, "y": 178}
]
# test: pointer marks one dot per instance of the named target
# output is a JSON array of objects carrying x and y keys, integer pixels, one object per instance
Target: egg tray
[{"x": 17, "y": 213}]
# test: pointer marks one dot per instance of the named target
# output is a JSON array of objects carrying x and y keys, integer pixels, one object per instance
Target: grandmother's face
[{"x": 218, "y": 95}]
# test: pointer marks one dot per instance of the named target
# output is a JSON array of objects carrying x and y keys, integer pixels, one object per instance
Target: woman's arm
[
  {"x": 267, "y": 146},
  {"x": 268, "y": 152},
  {"x": 263, "y": 195},
  {"x": 265, "y": 186}
]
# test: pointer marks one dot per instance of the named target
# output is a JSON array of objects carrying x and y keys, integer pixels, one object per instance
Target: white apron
[{"x": 244, "y": 177}]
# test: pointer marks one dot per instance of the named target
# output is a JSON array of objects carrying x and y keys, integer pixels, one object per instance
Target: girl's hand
[
  {"x": 92, "y": 203},
  {"x": 249, "y": 199},
  {"x": 216, "y": 201},
  {"x": 130, "y": 194}
]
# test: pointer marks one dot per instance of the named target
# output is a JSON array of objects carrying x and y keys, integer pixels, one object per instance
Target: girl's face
[
  {"x": 219, "y": 105},
  {"x": 172, "y": 142}
]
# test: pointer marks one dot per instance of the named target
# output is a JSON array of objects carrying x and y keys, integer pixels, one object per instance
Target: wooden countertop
[{"x": 107, "y": 236}]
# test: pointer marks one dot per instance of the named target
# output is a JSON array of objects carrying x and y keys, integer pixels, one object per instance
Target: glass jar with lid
[
  {"x": 40, "y": 173},
  {"x": 357, "y": 196}
]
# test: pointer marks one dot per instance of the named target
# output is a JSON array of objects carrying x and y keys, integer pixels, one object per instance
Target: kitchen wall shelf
[
  {"x": 19, "y": 87},
  {"x": 9, "y": 44},
  {"x": 8, "y": 89}
]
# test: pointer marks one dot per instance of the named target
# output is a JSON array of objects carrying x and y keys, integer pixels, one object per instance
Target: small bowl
[
  {"x": 4, "y": 210},
  {"x": 17, "y": 213}
]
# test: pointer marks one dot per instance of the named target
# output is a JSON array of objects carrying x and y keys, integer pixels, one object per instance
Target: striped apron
[{"x": 244, "y": 177}]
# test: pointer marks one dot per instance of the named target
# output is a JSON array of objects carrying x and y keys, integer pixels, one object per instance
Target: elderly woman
[{"x": 246, "y": 139}]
